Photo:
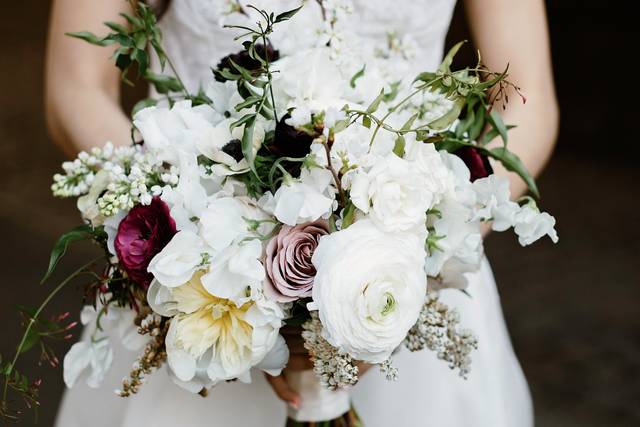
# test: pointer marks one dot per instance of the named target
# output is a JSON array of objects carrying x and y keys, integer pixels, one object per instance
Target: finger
[{"x": 283, "y": 390}]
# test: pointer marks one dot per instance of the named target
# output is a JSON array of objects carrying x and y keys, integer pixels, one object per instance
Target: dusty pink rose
[
  {"x": 290, "y": 272},
  {"x": 141, "y": 235}
]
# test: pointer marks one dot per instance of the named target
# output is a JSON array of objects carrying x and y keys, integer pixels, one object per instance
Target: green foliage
[
  {"x": 83, "y": 232},
  {"x": 255, "y": 86}
]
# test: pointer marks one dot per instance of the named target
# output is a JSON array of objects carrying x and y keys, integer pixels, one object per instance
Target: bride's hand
[{"x": 299, "y": 360}]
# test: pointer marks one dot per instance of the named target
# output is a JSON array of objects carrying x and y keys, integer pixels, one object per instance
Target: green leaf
[
  {"x": 513, "y": 163},
  {"x": 32, "y": 338},
  {"x": 84, "y": 232},
  {"x": 348, "y": 215},
  {"x": 356, "y": 76},
  {"x": 445, "y": 67},
  {"x": 477, "y": 126},
  {"x": 491, "y": 135},
  {"x": 142, "y": 104},
  {"x": 163, "y": 83},
  {"x": 398, "y": 148},
  {"x": 247, "y": 143},
  {"x": 366, "y": 122},
  {"x": 376, "y": 103},
  {"x": 91, "y": 38},
  {"x": 286, "y": 15},
  {"x": 243, "y": 120},
  {"x": 426, "y": 77},
  {"x": 447, "y": 119},
  {"x": 496, "y": 121},
  {"x": 118, "y": 28}
]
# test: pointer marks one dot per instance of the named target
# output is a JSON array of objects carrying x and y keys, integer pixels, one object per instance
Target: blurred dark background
[{"x": 572, "y": 309}]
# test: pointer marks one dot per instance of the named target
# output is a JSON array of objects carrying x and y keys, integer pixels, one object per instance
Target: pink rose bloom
[
  {"x": 141, "y": 235},
  {"x": 290, "y": 272}
]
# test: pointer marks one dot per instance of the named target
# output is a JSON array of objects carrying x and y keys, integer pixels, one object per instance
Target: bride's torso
[{"x": 195, "y": 39}]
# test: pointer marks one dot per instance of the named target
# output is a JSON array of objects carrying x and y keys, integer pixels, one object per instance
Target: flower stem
[{"x": 35, "y": 318}]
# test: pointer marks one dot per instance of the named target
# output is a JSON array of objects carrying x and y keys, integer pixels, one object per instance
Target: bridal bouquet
[{"x": 308, "y": 185}]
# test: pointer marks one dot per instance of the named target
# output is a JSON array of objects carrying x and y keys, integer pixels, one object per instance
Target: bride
[{"x": 83, "y": 110}]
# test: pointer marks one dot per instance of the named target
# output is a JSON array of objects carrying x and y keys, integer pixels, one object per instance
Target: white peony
[
  {"x": 212, "y": 339},
  {"x": 393, "y": 192},
  {"x": 302, "y": 200},
  {"x": 369, "y": 289}
]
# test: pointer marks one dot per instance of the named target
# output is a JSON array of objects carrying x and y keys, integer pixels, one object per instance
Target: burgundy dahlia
[
  {"x": 290, "y": 272},
  {"x": 141, "y": 235},
  {"x": 477, "y": 162},
  {"x": 244, "y": 60},
  {"x": 289, "y": 141}
]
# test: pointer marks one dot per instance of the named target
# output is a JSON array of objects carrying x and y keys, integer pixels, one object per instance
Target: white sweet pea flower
[
  {"x": 212, "y": 339},
  {"x": 228, "y": 219},
  {"x": 235, "y": 271},
  {"x": 393, "y": 193},
  {"x": 369, "y": 288},
  {"x": 302, "y": 200},
  {"x": 180, "y": 259},
  {"x": 87, "y": 204},
  {"x": 166, "y": 131},
  {"x": 89, "y": 358},
  {"x": 531, "y": 224},
  {"x": 222, "y": 145},
  {"x": 458, "y": 243},
  {"x": 300, "y": 116}
]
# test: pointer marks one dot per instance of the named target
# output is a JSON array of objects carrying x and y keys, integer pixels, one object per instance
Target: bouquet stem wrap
[{"x": 317, "y": 402}]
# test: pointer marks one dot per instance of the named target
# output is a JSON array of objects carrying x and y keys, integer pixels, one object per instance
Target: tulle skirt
[{"x": 426, "y": 392}]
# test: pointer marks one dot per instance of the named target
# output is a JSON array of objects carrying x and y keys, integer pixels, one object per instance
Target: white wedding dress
[{"x": 426, "y": 393}]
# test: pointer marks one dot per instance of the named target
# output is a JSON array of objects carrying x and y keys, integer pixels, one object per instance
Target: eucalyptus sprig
[
  {"x": 255, "y": 86},
  {"x": 474, "y": 93}
]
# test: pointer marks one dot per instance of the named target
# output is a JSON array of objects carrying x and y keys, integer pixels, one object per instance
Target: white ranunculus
[
  {"x": 212, "y": 339},
  {"x": 303, "y": 200},
  {"x": 531, "y": 224},
  {"x": 393, "y": 193},
  {"x": 369, "y": 288},
  {"x": 179, "y": 259},
  {"x": 234, "y": 270},
  {"x": 227, "y": 219}
]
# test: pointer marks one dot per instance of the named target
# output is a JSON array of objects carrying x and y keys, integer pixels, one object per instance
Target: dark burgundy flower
[
  {"x": 243, "y": 59},
  {"x": 141, "y": 235},
  {"x": 288, "y": 265},
  {"x": 477, "y": 162},
  {"x": 289, "y": 141}
]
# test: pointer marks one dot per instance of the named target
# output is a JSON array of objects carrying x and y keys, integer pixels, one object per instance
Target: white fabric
[
  {"x": 317, "y": 402},
  {"x": 427, "y": 393}
]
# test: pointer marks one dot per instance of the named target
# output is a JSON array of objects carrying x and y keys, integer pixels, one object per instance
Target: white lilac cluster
[
  {"x": 437, "y": 329},
  {"x": 334, "y": 368},
  {"x": 355, "y": 225},
  {"x": 110, "y": 180}
]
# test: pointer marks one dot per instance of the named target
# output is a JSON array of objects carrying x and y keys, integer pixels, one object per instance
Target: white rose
[
  {"x": 177, "y": 261},
  {"x": 393, "y": 192},
  {"x": 531, "y": 224},
  {"x": 369, "y": 288},
  {"x": 303, "y": 200}
]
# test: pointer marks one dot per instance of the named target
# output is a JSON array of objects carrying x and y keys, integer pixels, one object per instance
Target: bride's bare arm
[
  {"x": 515, "y": 32},
  {"x": 82, "y": 84}
]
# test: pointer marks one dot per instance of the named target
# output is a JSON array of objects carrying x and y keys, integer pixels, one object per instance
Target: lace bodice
[{"x": 195, "y": 39}]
